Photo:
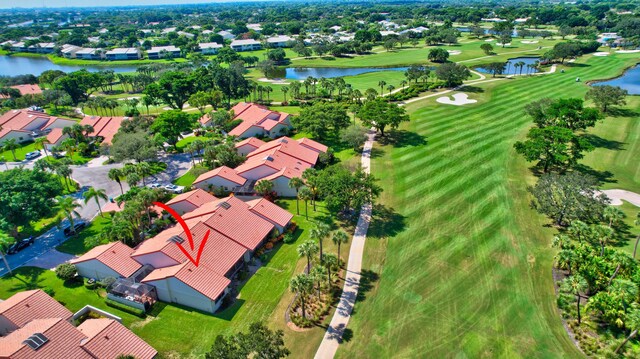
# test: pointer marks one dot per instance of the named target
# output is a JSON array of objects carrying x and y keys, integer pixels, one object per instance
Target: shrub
[
  {"x": 268, "y": 246},
  {"x": 66, "y": 271},
  {"x": 107, "y": 282},
  {"x": 125, "y": 308},
  {"x": 289, "y": 238},
  {"x": 231, "y": 125}
]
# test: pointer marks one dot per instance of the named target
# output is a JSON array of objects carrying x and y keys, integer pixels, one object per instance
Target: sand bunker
[
  {"x": 617, "y": 195},
  {"x": 601, "y": 54},
  {"x": 459, "y": 99},
  {"x": 500, "y": 44},
  {"x": 627, "y": 51},
  {"x": 274, "y": 81},
  {"x": 488, "y": 40},
  {"x": 454, "y": 52},
  {"x": 529, "y": 41}
]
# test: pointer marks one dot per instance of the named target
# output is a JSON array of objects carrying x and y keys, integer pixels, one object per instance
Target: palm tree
[
  {"x": 390, "y": 88},
  {"x": 11, "y": 145},
  {"x": 264, "y": 188},
  {"x": 69, "y": 207},
  {"x": 614, "y": 215},
  {"x": 339, "y": 238},
  {"x": 41, "y": 142},
  {"x": 308, "y": 249},
  {"x": 305, "y": 195},
  {"x": 403, "y": 83},
  {"x": 320, "y": 232},
  {"x": 575, "y": 284},
  {"x": 115, "y": 174},
  {"x": 382, "y": 84},
  {"x": 69, "y": 146},
  {"x": 284, "y": 90},
  {"x": 520, "y": 64},
  {"x": 297, "y": 183},
  {"x": 632, "y": 320},
  {"x": 97, "y": 195},
  {"x": 5, "y": 241},
  {"x": 302, "y": 284},
  {"x": 330, "y": 261},
  {"x": 318, "y": 274},
  {"x": 143, "y": 169}
]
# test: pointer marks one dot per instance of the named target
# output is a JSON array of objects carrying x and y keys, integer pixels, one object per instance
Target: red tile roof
[
  {"x": 251, "y": 141},
  {"x": 105, "y": 127},
  {"x": 116, "y": 256},
  {"x": 224, "y": 172},
  {"x": 270, "y": 211},
  {"x": 197, "y": 197},
  {"x": 274, "y": 159},
  {"x": 290, "y": 147},
  {"x": 55, "y": 135},
  {"x": 64, "y": 341},
  {"x": 161, "y": 243},
  {"x": 317, "y": 146},
  {"x": 22, "y": 307},
  {"x": 26, "y": 89},
  {"x": 18, "y": 120},
  {"x": 108, "y": 339},
  {"x": 255, "y": 115},
  {"x": 201, "y": 278}
]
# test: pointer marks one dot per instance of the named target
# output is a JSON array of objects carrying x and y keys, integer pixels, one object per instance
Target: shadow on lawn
[
  {"x": 401, "y": 138},
  {"x": 600, "y": 142},
  {"x": 473, "y": 89},
  {"x": 621, "y": 112},
  {"x": 28, "y": 278},
  {"x": 385, "y": 222}
]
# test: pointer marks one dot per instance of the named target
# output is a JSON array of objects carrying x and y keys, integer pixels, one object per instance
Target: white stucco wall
[
  {"x": 156, "y": 259},
  {"x": 183, "y": 207},
  {"x": 218, "y": 182},
  {"x": 245, "y": 149},
  {"x": 281, "y": 186},
  {"x": 172, "y": 290},
  {"x": 258, "y": 172},
  {"x": 95, "y": 269}
]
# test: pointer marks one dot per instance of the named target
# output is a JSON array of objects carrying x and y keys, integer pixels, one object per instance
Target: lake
[
  {"x": 301, "y": 73},
  {"x": 16, "y": 65},
  {"x": 511, "y": 70},
  {"x": 629, "y": 81},
  {"x": 486, "y": 31}
]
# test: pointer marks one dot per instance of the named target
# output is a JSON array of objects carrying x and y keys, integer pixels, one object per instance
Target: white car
[
  {"x": 173, "y": 188},
  {"x": 154, "y": 185},
  {"x": 32, "y": 155}
]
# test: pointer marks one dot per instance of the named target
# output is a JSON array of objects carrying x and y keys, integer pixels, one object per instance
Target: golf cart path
[
  {"x": 333, "y": 336},
  {"x": 617, "y": 195}
]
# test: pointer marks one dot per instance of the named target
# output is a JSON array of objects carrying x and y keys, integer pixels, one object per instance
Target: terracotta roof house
[
  {"x": 26, "y": 89},
  {"x": 104, "y": 127},
  {"x": 108, "y": 260},
  {"x": 257, "y": 120},
  {"x": 22, "y": 307},
  {"x": 248, "y": 145},
  {"x": 222, "y": 177},
  {"x": 188, "y": 201},
  {"x": 277, "y": 161},
  {"x": 185, "y": 284},
  {"x": 273, "y": 213},
  {"x": 106, "y": 338},
  {"x": 46, "y": 332},
  {"x": 55, "y": 138},
  {"x": 21, "y": 124}
]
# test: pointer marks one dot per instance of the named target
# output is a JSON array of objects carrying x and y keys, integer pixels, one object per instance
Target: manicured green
[
  {"x": 186, "y": 179},
  {"x": 76, "y": 245},
  {"x": 462, "y": 259}
]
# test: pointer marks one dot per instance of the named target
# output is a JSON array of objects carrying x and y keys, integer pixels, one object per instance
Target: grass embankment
[
  {"x": 184, "y": 332},
  {"x": 465, "y": 264}
]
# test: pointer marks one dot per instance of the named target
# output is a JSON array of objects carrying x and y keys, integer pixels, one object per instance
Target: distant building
[
  {"x": 254, "y": 27},
  {"x": 246, "y": 45},
  {"x": 90, "y": 54},
  {"x": 259, "y": 121},
  {"x": 158, "y": 52},
  {"x": 226, "y": 35},
  {"x": 280, "y": 41},
  {"x": 23, "y": 125},
  {"x": 69, "y": 51},
  {"x": 209, "y": 48},
  {"x": 126, "y": 53}
]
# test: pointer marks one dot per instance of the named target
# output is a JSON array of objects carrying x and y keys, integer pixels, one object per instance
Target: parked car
[
  {"x": 32, "y": 155},
  {"x": 20, "y": 245},
  {"x": 173, "y": 188},
  {"x": 77, "y": 226},
  {"x": 154, "y": 185}
]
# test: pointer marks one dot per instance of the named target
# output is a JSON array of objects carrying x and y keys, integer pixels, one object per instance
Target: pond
[
  {"x": 512, "y": 70},
  {"x": 629, "y": 81},
  {"x": 486, "y": 31},
  {"x": 301, "y": 73},
  {"x": 16, "y": 65}
]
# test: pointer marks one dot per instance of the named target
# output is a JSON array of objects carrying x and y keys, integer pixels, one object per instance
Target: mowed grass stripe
[{"x": 462, "y": 278}]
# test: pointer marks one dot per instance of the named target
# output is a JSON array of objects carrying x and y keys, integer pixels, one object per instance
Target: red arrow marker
[{"x": 186, "y": 230}]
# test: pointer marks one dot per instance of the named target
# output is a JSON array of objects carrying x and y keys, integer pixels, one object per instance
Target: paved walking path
[
  {"x": 617, "y": 195},
  {"x": 333, "y": 336}
]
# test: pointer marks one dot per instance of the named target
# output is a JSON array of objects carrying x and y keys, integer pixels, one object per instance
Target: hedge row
[{"x": 125, "y": 308}]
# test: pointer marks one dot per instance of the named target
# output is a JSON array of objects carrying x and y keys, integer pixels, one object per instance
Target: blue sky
[{"x": 7, "y": 4}]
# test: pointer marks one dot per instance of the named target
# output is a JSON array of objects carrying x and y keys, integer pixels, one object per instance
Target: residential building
[
  {"x": 127, "y": 53},
  {"x": 42, "y": 48},
  {"x": 235, "y": 229},
  {"x": 26, "y": 89},
  {"x": 254, "y": 27},
  {"x": 258, "y": 120},
  {"x": 38, "y": 327},
  {"x": 227, "y": 35},
  {"x": 104, "y": 127},
  {"x": 209, "y": 48},
  {"x": 186, "y": 34},
  {"x": 246, "y": 45},
  {"x": 277, "y": 161},
  {"x": 280, "y": 41},
  {"x": 22, "y": 125},
  {"x": 55, "y": 138},
  {"x": 248, "y": 145},
  {"x": 88, "y": 53},
  {"x": 69, "y": 51},
  {"x": 158, "y": 52}
]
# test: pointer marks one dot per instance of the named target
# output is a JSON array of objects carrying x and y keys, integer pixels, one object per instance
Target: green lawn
[
  {"x": 75, "y": 244},
  {"x": 464, "y": 263},
  {"x": 20, "y": 152},
  {"x": 187, "y": 178}
]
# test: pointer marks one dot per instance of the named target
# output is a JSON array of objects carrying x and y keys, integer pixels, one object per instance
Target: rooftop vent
[
  {"x": 36, "y": 341},
  {"x": 268, "y": 158},
  {"x": 177, "y": 239},
  {"x": 225, "y": 205}
]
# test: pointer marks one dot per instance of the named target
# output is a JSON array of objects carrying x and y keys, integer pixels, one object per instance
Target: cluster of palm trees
[
  {"x": 307, "y": 189},
  {"x": 322, "y": 88},
  {"x": 100, "y": 105},
  {"x": 319, "y": 272},
  {"x": 132, "y": 173},
  {"x": 521, "y": 65},
  {"x": 257, "y": 93}
]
